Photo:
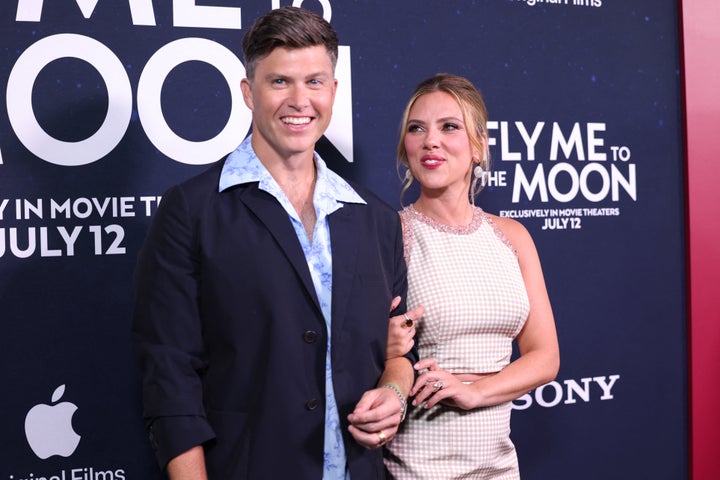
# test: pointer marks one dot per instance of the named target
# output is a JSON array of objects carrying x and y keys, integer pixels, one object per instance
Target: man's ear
[{"x": 246, "y": 88}]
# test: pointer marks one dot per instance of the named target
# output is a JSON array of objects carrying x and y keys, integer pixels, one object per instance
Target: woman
[{"x": 479, "y": 278}]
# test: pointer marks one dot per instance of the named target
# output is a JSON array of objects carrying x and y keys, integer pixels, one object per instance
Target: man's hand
[{"x": 376, "y": 418}]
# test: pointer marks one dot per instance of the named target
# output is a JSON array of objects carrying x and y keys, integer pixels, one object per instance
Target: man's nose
[{"x": 298, "y": 96}]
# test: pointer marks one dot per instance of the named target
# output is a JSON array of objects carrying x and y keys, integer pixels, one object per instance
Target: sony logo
[{"x": 553, "y": 393}]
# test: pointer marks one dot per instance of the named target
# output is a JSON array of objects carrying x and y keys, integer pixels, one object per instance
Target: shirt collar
[{"x": 243, "y": 166}]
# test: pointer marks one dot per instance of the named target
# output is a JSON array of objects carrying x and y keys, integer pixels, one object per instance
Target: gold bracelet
[{"x": 401, "y": 397}]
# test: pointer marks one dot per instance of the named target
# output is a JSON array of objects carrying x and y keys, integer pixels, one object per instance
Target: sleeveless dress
[{"x": 469, "y": 280}]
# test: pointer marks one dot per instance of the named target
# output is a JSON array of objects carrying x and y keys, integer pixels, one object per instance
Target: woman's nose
[{"x": 431, "y": 139}]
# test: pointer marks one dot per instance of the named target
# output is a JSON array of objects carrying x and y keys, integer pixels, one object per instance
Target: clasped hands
[
  {"x": 376, "y": 417},
  {"x": 378, "y": 414}
]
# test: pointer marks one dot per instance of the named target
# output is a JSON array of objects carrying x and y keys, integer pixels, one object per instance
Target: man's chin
[{"x": 299, "y": 146}]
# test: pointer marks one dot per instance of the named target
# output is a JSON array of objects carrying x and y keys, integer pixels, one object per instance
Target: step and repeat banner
[{"x": 108, "y": 103}]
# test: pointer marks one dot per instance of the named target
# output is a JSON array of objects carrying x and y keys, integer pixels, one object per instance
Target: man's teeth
[{"x": 296, "y": 120}]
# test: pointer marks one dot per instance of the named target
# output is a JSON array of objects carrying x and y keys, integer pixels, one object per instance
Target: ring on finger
[
  {"x": 438, "y": 385},
  {"x": 409, "y": 322},
  {"x": 382, "y": 439}
]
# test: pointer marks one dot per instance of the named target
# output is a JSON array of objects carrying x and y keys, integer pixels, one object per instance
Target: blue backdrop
[{"x": 107, "y": 104}]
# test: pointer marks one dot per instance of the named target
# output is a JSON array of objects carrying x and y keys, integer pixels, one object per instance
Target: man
[{"x": 263, "y": 287}]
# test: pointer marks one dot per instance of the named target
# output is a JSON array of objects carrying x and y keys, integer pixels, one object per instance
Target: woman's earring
[{"x": 478, "y": 171}]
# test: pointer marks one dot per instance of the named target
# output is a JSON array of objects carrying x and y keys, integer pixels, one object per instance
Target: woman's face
[{"x": 438, "y": 147}]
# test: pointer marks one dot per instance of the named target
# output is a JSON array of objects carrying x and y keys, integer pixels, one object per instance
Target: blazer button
[
  {"x": 310, "y": 336},
  {"x": 312, "y": 404}
]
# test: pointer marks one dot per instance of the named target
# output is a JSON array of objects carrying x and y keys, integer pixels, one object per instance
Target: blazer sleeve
[{"x": 167, "y": 331}]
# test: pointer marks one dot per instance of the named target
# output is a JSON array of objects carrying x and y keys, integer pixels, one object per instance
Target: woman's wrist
[{"x": 403, "y": 401}]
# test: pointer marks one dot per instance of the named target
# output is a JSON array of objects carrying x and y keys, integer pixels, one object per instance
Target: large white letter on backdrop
[
  {"x": 340, "y": 130},
  {"x": 325, "y": 4},
  {"x": 19, "y": 99},
  {"x": 150, "y": 108},
  {"x": 187, "y": 14}
]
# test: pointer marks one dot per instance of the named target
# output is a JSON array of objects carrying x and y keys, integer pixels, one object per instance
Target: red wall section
[{"x": 701, "y": 38}]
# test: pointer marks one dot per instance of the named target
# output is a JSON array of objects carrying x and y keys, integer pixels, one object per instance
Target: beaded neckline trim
[
  {"x": 471, "y": 227},
  {"x": 479, "y": 217}
]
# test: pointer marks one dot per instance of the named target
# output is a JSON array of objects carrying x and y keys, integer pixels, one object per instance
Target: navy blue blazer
[{"x": 231, "y": 339}]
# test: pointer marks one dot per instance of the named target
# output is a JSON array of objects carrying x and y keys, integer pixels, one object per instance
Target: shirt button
[
  {"x": 311, "y": 404},
  {"x": 310, "y": 336}
]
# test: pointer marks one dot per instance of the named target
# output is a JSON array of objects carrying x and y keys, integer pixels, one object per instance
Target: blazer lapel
[
  {"x": 276, "y": 220},
  {"x": 345, "y": 235}
]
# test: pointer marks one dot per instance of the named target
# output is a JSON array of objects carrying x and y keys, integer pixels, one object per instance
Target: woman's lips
[{"x": 431, "y": 161}]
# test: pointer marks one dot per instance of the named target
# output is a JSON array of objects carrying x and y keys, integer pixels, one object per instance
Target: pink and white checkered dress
[{"x": 469, "y": 281}]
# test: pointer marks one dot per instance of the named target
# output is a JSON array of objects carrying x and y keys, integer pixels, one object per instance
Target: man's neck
[
  {"x": 298, "y": 184},
  {"x": 299, "y": 188},
  {"x": 296, "y": 175}
]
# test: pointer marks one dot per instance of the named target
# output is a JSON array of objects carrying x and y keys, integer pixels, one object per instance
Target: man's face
[{"x": 291, "y": 97}]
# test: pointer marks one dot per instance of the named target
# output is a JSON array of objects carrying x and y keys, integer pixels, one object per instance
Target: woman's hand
[
  {"x": 401, "y": 330},
  {"x": 436, "y": 385}
]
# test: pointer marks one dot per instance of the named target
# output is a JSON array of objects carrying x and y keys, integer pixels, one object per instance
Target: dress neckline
[{"x": 471, "y": 227}]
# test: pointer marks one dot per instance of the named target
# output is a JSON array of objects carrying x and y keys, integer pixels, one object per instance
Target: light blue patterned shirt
[{"x": 331, "y": 191}]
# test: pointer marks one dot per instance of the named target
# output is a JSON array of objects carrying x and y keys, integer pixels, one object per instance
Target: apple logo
[{"x": 49, "y": 430}]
